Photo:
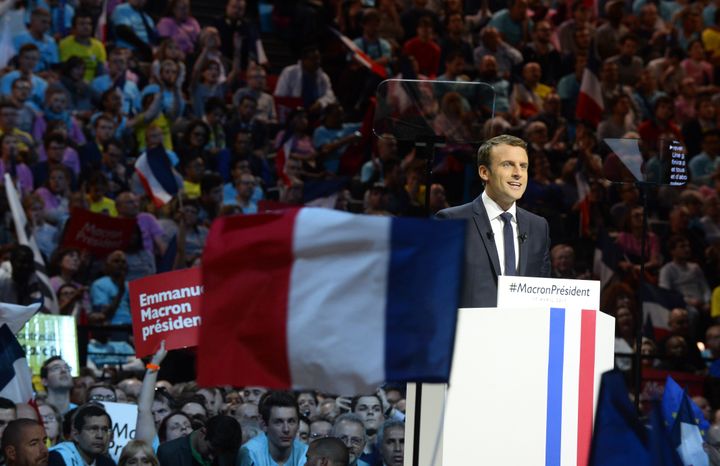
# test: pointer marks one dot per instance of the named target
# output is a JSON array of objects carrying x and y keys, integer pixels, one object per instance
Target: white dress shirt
[{"x": 496, "y": 223}]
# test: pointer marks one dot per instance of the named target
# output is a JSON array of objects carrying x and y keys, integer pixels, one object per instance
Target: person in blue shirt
[
  {"x": 333, "y": 137},
  {"x": 28, "y": 58},
  {"x": 37, "y": 34},
  {"x": 109, "y": 293},
  {"x": 278, "y": 444},
  {"x": 512, "y": 22},
  {"x": 134, "y": 29}
]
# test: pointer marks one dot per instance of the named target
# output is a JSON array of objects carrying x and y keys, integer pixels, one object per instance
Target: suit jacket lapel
[
  {"x": 482, "y": 223},
  {"x": 523, "y": 227}
]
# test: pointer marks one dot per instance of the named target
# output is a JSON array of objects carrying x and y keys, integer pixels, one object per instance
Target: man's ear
[
  {"x": 10, "y": 453},
  {"x": 483, "y": 172},
  {"x": 74, "y": 434}
]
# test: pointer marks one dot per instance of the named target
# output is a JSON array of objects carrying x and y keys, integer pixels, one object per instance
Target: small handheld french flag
[
  {"x": 317, "y": 298},
  {"x": 157, "y": 175}
]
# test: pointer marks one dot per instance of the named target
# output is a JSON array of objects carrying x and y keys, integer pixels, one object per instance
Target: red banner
[
  {"x": 166, "y": 307},
  {"x": 100, "y": 234}
]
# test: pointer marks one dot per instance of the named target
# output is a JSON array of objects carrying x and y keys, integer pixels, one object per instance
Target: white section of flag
[{"x": 322, "y": 348}]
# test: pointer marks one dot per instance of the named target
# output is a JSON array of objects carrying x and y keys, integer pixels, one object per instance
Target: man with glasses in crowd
[
  {"x": 57, "y": 380},
  {"x": 91, "y": 434}
]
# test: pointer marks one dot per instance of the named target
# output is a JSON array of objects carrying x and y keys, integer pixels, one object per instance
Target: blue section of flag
[
  {"x": 671, "y": 402},
  {"x": 618, "y": 436},
  {"x": 661, "y": 450},
  {"x": 10, "y": 351},
  {"x": 323, "y": 188},
  {"x": 553, "y": 437},
  {"x": 686, "y": 437},
  {"x": 423, "y": 294},
  {"x": 159, "y": 162},
  {"x": 665, "y": 298}
]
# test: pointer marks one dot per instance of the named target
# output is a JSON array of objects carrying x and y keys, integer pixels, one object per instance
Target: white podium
[{"x": 524, "y": 380}]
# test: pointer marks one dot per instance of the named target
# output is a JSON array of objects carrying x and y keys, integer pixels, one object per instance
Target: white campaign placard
[
  {"x": 124, "y": 419},
  {"x": 523, "y": 292}
]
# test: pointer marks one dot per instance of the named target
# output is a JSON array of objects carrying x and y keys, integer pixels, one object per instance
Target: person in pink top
[{"x": 180, "y": 26}]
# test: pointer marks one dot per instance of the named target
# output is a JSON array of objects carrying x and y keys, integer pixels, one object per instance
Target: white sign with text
[
  {"x": 524, "y": 292},
  {"x": 124, "y": 419}
]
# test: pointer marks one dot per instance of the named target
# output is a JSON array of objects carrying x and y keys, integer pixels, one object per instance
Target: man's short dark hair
[
  {"x": 224, "y": 434},
  {"x": 333, "y": 449},
  {"x": 56, "y": 137},
  {"x": 86, "y": 411},
  {"x": 81, "y": 13},
  {"x": 454, "y": 53},
  {"x": 44, "y": 368},
  {"x": 29, "y": 47},
  {"x": 209, "y": 182},
  {"x": 12, "y": 436},
  {"x": 714, "y": 132},
  {"x": 483, "y": 155},
  {"x": 276, "y": 399}
]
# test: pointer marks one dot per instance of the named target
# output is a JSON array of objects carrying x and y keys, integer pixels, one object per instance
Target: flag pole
[{"x": 637, "y": 360}]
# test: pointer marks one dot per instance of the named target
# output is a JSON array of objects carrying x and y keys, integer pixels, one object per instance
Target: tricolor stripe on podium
[{"x": 571, "y": 383}]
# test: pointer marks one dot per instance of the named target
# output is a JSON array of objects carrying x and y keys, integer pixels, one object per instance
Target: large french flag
[
  {"x": 15, "y": 375},
  {"x": 590, "y": 105},
  {"x": 316, "y": 298},
  {"x": 157, "y": 175}
]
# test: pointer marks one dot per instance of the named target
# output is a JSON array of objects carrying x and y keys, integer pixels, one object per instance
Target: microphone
[
  {"x": 490, "y": 235},
  {"x": 522, "y": 237}
]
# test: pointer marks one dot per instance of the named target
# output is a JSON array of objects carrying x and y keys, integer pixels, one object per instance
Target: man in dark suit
[{"x": 497, "y": 228}]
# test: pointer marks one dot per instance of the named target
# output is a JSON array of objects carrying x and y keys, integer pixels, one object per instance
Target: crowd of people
[{"x": 89, "y": 87}]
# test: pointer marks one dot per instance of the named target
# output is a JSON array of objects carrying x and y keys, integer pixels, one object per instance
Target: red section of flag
[
  {"x": 586, "y": 391},
  {"x": 246, "y": 274}
]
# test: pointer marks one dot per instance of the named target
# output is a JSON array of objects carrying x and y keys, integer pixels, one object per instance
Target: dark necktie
[{"x": 509, "y": 244}]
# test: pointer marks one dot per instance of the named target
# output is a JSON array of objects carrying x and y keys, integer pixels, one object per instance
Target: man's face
[
  {"x": 104, "y": 130},
  {"x": 247, "y": 109},
  {"x": 30, "y": 449},
  {"x": 282, "y": 426},
  {"x": 562, "y": 260},
  {"x": 311, "y": 62},
  {"x": 128, "y": 205},
  {"x": 6, "y": 415},
  {"x": 83, "y": 27},
  {"x": 154, "y": 137},
  {"x": 94, "y": 437},
  {"x": 628, "y": 48},
  {"x": 245, "y": 186},
  {"x": 247, "y": 412},
  {"x": 455, "y": 24},
  {"x": 506, "y": 178},
  {"x": 29, "y": 60},
  {"x": 117, "y": 263},
  {"x": 392, "y": 449},
  {"x": 58, "y": 375},
  {"x": 455, "y": 66},
  {"x": 21, "y": 90},
  {"x": 235, "y": 9},
  {"x": 160, "y": 410},
  {"x": 117, "y": 64},
  {"x": 679, "y": 322},
  {"x": 712, "y": 339},
  {"x": 40, "y": 23},
  {"x": 519, "y": 10},
  {"x": 102, "y": 394},
  {"x": 303, "y": 432},
  {"x": 543, "y": 31},
  {"x": 253, "y": 394},
  {"x": 8, "y": 117},
  {"x": 55, "y": 151},
  {"x": 352, "y": 435},
  {"x": 370, "y": 411}
]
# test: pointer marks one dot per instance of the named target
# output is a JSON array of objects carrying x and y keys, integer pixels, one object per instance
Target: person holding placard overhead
[{"x": 502, "y": 238}]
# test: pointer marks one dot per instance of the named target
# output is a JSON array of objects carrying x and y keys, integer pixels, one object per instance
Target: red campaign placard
[
  {"x": 100, "y": 234},
  {"x": 166, "y": 307}
]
